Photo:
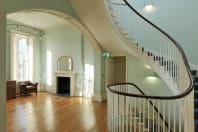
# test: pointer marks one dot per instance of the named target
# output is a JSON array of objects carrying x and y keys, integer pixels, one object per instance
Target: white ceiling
[{"x": 38, "y": 20}]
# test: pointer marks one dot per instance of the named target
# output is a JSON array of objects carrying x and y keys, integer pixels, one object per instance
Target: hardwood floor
[{"x": 50, "y": 113}]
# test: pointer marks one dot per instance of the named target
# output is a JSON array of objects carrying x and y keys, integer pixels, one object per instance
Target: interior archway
[{"x": 81, "y": 68}]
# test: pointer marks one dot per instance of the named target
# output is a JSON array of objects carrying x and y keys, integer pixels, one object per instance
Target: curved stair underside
[
  {"x": 99, "y": 20},
  {"x": 94, "y": 16}
]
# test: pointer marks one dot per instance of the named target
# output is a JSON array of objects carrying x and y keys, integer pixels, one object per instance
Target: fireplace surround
[{"x": 66, "y": 80}]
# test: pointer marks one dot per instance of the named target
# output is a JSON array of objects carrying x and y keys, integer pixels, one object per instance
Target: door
[{"x": 116, "y": 69}]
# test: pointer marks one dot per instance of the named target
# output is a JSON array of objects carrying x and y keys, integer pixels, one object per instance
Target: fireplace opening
[{"x": 63, "y": 85}]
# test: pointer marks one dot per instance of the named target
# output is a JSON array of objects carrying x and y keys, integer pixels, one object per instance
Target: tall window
[
  {"x": 22, "y": 57},
  {"x": 49, "y": 67},
  {"x": 89, "y": 80}
]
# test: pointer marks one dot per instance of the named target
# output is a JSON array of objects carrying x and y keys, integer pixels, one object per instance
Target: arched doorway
[{"x": 54, "y": 24}]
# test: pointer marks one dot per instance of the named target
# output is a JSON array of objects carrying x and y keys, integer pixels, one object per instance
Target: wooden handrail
[
  {"x": 147, "y": 96},
  {"x": 156, "y": 109},
  {"x": 119, "y": 4}
]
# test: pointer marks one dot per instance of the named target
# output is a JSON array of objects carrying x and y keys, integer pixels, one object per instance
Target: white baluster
[
  {"x": 153, "y": 114},
  {"x": 158, "y": 115},
  {"x": 174, "y": 120},
  {"x": 148, "y": 114},
  {"x": 163, "y": 120}
]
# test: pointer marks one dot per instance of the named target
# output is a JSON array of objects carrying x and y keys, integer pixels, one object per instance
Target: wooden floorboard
[{"x": 50, "y": 113}]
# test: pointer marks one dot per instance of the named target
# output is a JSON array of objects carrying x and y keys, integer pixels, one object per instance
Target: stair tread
[
  {"x": 193, "y": 72},
  {"x": 195, "y": 76},
  {"x": 196, "y": 91},
  {"x": 196, "y": 83}
]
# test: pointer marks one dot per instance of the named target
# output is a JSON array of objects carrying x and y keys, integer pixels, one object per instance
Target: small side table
[{"x": 11, "y": 89}]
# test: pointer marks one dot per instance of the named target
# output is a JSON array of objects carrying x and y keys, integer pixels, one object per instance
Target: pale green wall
[
  {"x": 61, "y": 41},
  {"x": 99, "y": 77},
  {"x": 8, "y": 56},
  {"x": 37, "y": 59},
  {"x": 66, "y": 41},
  {"x": 88, "y": 53},
  {"x": 2, "y": 67},
  {"x": 138, "y": 73}
]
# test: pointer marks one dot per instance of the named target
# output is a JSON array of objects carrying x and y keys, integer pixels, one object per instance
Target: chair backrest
[{"x": 26, "y": 82}]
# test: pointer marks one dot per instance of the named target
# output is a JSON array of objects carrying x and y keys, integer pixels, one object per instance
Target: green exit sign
[{"x": 105, "y": 55}]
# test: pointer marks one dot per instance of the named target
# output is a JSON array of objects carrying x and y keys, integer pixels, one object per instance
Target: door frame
[{"x": 107, "y": 68}]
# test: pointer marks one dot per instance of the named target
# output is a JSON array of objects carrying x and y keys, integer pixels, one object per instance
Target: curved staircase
[
  {"x": 167, "y": 58},
  {"x": 151, "y": 44}
]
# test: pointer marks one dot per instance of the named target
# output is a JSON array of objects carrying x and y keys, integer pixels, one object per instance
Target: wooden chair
[{"x": 27, "y": 87}]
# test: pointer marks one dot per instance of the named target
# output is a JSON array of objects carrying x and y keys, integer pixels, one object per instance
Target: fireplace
[
  {"x": 63, "y": 86},
  {"x": 65, "y": 83}
]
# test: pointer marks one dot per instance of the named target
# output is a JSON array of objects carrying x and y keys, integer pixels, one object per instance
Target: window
[
  {"x": 89, "y": 80},
  {"x": 49, "y": 68},
  {"x": 22, "y": 56}
]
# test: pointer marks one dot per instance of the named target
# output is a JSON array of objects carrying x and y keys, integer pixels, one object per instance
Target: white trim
[
  {"x": 104, "y": 96},
  {"x": 72, "y": 76},
  {"x": 99, "y": 98}
]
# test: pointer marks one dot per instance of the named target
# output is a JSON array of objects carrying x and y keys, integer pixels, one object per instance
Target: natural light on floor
[{"x": 49, "y": 111}]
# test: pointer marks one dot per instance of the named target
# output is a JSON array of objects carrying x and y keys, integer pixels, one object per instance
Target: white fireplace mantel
[{"x": 72, "y": 76}]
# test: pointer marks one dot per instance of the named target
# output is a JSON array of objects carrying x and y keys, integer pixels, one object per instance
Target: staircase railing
[
  {"x": 130, "y": 110},
  {"x": 154, "y": 41}
]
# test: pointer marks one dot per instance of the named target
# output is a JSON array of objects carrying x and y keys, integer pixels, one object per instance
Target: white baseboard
[
  {"x": 104, "y": 97},
  {"x": 99, "y": 98}
]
